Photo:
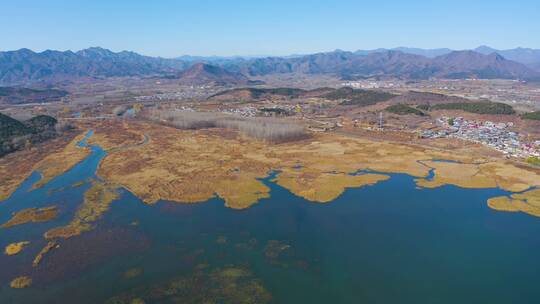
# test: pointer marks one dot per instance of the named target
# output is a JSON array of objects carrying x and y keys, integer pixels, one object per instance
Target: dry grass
[
  {"x": 39, "y": 257},
  {"x": 527, "y": 202},
  {"x": 21, "y": 282},
  {"x": 15, "y": 248},
  {"x": 17, "y": 166},
  {"x": 97, "y": 201},
  {"x": 194, "y": 166},
  {"x": 34, "y": 215},
  {"x": 56, "y": 164},
  {"x": 266, "y": 129}
]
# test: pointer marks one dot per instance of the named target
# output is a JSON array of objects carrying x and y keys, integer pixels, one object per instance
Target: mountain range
[
  {"x": 526, "y": 56},
  {"x": 24, "y": 67},
  {"x": 391, "y": 63}
]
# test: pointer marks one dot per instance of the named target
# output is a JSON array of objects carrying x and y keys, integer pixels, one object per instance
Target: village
[{"x": 498, "y": 136}]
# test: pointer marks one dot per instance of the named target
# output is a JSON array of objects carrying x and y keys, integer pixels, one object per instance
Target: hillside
[
  {"x": 349, "y": 96},
  {"x": 521, "y": 55},
  {"x": 15, "y": 135},
  {"x": 344, "y": 95},
  {"x": 204, "y": 74},
  {"x": 535, "y": 66},
  {"x": 19, "y": 95},
  {"x": 41, "y": 123},
  {"x": 531, "y": 115},
  {"x": 470, "y": 64},
  {"x": 10, "y": 127},
  {"x": 477, "y": 107},
  {"x": 403, "y": 109},
  {"x": 425, "y": 98},
  {"x": 255, "y": 94}
]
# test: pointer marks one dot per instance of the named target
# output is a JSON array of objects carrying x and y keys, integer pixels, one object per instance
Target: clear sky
[{"x": 257, "y": 27}]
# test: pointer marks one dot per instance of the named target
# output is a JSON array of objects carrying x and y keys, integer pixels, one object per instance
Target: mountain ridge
[
  {"x": 24, "y": 66},
  {"x": 203, "y": 74}
]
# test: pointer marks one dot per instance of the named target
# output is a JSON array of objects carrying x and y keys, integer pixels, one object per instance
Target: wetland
[{"x": 133, "y": 212}]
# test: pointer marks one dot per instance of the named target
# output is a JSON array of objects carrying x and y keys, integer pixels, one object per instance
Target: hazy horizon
[
  {"x": 277, "y": 28},
  {"x": 259, "y": 55}
]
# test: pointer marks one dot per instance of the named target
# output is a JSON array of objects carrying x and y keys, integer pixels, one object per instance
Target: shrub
[
  {"x": 424, "y": 107},
  {"x": 402, "y": 109},
  {"x": 64, "y": 126},
  {"x": 533, "y": 160},
  {"x": 350, "y": 96},
  {"x": 477, "y": 107},
  {"x": 531, "y": 115}
]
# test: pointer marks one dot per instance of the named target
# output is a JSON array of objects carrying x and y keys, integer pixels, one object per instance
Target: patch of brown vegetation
[
  {"x": 325, "y": 187},
  {"x": 84, "y": 253},
  {"x": 527, "y": 202},
  {"x": 58, "y": 163},
  {"x": 132, "y": 273},
  {"x": 17, "y": 166},
  {"x": 223, "y": 285},
  {"x": 21, "y": 282},
  {"x": 504, "y": 175},
  {"x": 15, "y": 248},
  {"x": 50, "y": 245},
  {"x": 97, "y": 201},
  {"x": 32, "y": 215},
  {"x": 124, "y": 135}
]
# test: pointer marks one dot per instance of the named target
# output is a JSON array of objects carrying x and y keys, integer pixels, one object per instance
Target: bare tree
[{"x": 268, "y": 129}]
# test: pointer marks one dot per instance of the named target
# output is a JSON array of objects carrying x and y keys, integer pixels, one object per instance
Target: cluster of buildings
[
  {"x": 250, "y": 111},
  {"x": 498, "y": 136},
  {"x": 186, "y": 93},
  {"x": 371, "y": 84},
  {"x": 244, "y": 111}
]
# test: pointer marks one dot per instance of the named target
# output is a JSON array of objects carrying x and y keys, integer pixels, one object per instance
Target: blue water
[{"x": 387, "y": 243}]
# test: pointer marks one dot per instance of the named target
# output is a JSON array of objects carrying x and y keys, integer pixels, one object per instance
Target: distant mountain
[
  {"x": 25, "y": 66},
  {"x": 204, "y": 74},
  {"x": 348, "y": 65},
  {"x": 388, "y": 63},
  {"x": 535, "y": 66},
  {"x": 526, "y": 56},
  {"x": 523, "y": 55},
  {"x": 470, "y": 64},
  {"x": 430, "y": 53}
]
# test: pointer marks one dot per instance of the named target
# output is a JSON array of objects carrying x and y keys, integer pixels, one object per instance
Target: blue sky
[{"x": 256, "y": 27}]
